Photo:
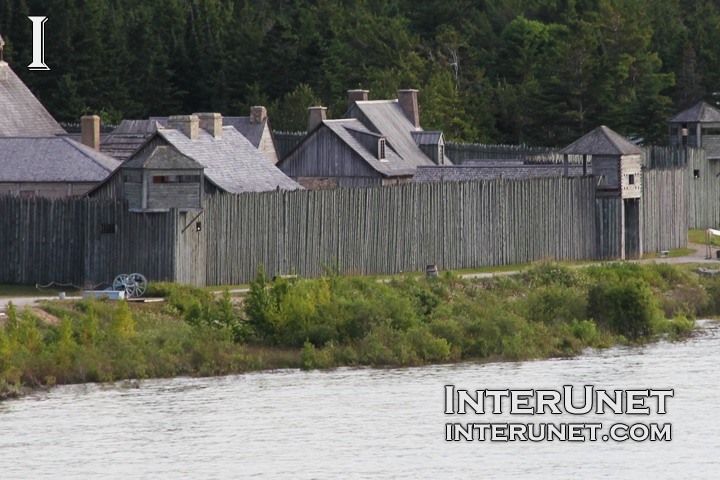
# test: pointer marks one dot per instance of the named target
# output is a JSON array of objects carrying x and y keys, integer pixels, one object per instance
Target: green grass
[
  {"x": 32, "y": 291},
  {"x": 698, "y": 236}
]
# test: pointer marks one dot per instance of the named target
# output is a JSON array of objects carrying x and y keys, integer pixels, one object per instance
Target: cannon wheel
[
  {"x": 138, "y": 283},
  {"x": 134, "y": 285}
]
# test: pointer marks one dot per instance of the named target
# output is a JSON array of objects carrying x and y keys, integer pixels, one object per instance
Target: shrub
[{"x": 627, "y": 308}]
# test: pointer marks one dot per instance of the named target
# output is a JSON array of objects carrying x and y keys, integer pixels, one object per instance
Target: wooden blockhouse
[
  {"x": 699, "y": 127},
  {"x": 161, "y": 179},
  {"x": 617, "y": 168}
]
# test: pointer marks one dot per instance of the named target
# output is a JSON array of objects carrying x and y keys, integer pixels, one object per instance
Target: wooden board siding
[
  {"x": 179, "y": 195},
  {"x": 325, "y": 155},
  {"x": 191, "y": 248},
  {"x": 711, "y": 144}
]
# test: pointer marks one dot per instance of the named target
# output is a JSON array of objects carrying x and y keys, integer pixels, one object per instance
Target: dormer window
[{"x": 381, "y": 149}]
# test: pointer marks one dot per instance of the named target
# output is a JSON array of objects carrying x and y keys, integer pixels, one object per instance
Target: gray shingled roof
[
  {"x": 602, "y": 141},
  {"x": 394, "y": 166},
  {"x": 231, "y": 162},
  {"x": 252, "y": 131},
  {"x": 466, "y": 173},
  {"x": 121, "y": 145},
  {"x": 122, "y": 142},
  {"x": 389, "y": 120},
  {"x": 700, "y": 112},
  {"x": 21, "y": 114},
  {"x": 51, "y": 159},
  {"x": 162, "y": 157}
]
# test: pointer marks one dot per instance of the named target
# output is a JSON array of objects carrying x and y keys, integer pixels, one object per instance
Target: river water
[{"x": 364, "y": 423}]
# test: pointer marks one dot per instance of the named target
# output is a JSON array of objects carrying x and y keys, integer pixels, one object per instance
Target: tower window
[
  {"x": 631, "y": 179},
  {"x": 696, "y": 173}
]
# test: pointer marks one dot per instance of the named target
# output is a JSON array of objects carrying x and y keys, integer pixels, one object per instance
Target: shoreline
[{"x": 548, "y": 311}]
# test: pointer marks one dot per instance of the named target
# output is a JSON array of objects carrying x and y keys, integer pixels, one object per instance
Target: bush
[{"x": 627, "y": 308}]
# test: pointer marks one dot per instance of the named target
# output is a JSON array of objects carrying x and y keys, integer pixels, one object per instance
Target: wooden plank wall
[
  {"x": 41, "y": 240},
  {"x": 61, "y": 240},
  {"x": 143, "y": 243},
  {"x": 664, "y": 204},
  {"x": 401, "y": 228},
  {"x": 609, "y": 228},
  {"x": 459, "y": 152},
  {"x": 703, "y": 192}
]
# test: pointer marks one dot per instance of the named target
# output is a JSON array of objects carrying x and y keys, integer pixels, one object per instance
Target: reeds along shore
[{"x": 549, "y": 310}]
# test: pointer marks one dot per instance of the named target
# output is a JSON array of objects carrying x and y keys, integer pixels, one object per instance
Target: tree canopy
[{"x": 540, "y": 72}]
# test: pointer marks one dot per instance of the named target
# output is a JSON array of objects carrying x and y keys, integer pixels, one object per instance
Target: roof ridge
[
  {"x": 613, "y": 141},
  {"x": 77, "y": 145},
  {"x": 365, "y": 102}
]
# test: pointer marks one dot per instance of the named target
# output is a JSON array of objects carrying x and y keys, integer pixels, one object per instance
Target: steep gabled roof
[
  {"x": 231, "y": 162},
  {"x": 162, "y": 157},
  {"x": 602, "y": 141},
  {"x": 21, "y": 114},
  {"x": 394, "y": 165},
  {"x": 52, "y": 159},
  {"x": 387, "y": 118},
  {"x": 700, "y": 112}
]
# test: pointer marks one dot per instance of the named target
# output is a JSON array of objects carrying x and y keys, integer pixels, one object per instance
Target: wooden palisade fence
[{"x": 377, "y": 230}]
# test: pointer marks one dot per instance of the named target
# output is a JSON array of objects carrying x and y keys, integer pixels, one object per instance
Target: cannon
[{"x": 133, "y": 284}]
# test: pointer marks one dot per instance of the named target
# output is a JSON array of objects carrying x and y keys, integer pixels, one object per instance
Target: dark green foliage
[
  {"x": 541, "y": 72},
  {"x": 550, "y": 310},
  {"x": 626, "y": 307}
]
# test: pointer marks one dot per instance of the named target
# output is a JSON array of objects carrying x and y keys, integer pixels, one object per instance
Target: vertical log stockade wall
[
  {"x": 401, "y": 228},
  {"x": 378, "y": 230},
  {"x": 82, "y": 241}
]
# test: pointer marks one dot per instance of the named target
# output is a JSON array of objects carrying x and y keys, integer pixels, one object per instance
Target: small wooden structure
[
  {"x": 161, "y": 179},
  {"x": 698, "y": 126},
  {"x": 617, "y": 168}
]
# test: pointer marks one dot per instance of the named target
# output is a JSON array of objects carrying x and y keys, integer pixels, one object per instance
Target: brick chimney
[
  {"x": 188, "y": 124},
  {"x": 258, "y": 115},
  {"x": 90, "y": 130},
  {"x": 211, "y": 123},
  {"x": 315, "y": 116},
  {"x": 408, "y": 101},
  {"x": 357, "y": 96}
]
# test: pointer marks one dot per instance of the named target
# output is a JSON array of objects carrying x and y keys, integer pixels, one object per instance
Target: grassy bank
[{"x": 549, "y": 310}]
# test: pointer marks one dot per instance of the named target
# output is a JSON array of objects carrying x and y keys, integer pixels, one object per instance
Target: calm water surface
[{"x": 362, "y": 423}]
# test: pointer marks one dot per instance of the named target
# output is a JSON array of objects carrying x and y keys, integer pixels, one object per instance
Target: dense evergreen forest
[{"x": 540, "y": 72}]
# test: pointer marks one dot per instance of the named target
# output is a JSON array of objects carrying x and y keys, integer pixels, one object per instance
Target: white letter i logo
[{"x": 38, "y": 35}]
